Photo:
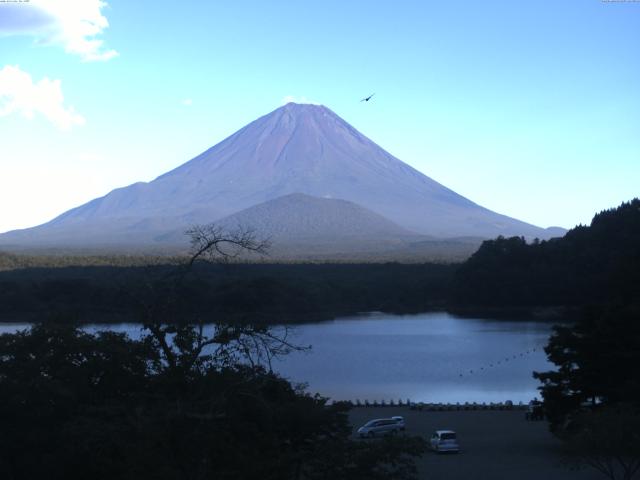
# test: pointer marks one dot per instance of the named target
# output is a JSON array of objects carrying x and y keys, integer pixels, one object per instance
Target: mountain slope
[
  {"x": 300, "y": 217},
  {"x": 302, "y": 227},
  {"x": 296, "y": 148},
  {"x": 299, "y": 225}
]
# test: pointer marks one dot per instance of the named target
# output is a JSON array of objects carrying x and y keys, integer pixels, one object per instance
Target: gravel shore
[{"x": 495, "y": 445}]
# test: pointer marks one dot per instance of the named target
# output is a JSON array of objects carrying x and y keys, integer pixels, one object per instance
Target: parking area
[{"x": 494, "y": 445}]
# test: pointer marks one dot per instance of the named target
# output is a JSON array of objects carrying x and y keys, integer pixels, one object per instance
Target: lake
[{"x": 429, "y": 357}]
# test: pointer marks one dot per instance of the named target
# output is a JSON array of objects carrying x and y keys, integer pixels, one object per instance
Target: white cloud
[
  {"x": 74, "y": 24},
  {"x": 19, "y": 94},
  {"x": 187, "y": 102},
  {"x": 292, "y": 98}
]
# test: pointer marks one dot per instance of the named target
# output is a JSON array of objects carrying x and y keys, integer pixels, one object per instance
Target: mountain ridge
[{"x": 296, "y": 148}]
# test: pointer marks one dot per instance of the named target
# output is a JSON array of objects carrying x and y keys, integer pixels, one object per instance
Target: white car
[
  {"x": 381, "y": 426},
  {"x": 444, "y": 441}
]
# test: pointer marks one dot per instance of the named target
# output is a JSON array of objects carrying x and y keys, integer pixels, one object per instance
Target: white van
[
  {"x": 444, "y": 441},
  {"x": 381, "y": 426}
]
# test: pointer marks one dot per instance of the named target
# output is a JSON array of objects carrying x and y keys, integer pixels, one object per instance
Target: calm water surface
[{"x": 430, "y": 357}]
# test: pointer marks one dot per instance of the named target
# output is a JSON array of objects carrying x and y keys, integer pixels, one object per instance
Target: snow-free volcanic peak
[{"x": 297, "y": 148}]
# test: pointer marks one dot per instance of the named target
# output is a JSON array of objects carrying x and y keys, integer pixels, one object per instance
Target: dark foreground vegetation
[
  {"x": 592, "y": 398},
  {"x": 183, "y": 402},
  {"x": 103, "y": 406}
]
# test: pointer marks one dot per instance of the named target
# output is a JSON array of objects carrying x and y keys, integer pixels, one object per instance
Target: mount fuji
[{"x": 296, "y": 149}]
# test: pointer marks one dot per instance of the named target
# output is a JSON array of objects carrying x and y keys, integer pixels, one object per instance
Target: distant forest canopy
[
  {"x": 590, "y": 265},
  {"x": 15, "y": 261},
  {"x": 596, "y": 264},
  {"x": 267, "y": 292},
  {"x": 357, "y": 250}
]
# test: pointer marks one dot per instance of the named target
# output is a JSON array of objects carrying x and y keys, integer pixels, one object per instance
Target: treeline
[
  {"x": 591, "y": 265},
  {"x": 59, "y": 259},
  {"x": 268, "y": 292}
]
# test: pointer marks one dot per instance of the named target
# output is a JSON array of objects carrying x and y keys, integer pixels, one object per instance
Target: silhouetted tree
[
  {"x": 596, "y": 361},
  {"x": 593, "y": 398},
  {"x": 186, "y": 401},
  {"x": 607, "y": 440}
]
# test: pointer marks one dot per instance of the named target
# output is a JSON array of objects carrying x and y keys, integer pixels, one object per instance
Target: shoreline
[
  {"x": 540, "y": 313},
  {"x": 559, "y": 314}
]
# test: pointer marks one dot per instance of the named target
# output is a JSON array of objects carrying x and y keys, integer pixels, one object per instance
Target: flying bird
[{"x": 366, "y": 99}]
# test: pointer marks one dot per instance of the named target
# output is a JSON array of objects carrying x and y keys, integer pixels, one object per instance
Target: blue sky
[{"x": 531, "y": 109}]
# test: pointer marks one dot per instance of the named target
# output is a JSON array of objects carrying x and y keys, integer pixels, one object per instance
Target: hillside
[{"x": 594, "y": 264}]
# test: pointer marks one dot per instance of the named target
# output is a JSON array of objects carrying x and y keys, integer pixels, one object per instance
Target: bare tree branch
[
  {"x": 215, "y": 243},
  {"x": 187, "y": 347}
]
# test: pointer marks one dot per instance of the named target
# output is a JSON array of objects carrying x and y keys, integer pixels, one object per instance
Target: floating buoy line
[{"x": 495, "y": 364}]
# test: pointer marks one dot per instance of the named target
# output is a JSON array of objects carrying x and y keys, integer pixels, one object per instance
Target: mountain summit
[{"x": 296, "y": 148}]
